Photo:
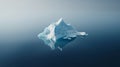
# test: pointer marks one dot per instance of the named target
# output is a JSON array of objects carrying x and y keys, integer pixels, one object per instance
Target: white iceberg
[{"x": 58, "y": 34}]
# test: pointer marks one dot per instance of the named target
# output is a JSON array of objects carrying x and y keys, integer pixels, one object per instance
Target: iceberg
[{"x": 58, "y": 34}]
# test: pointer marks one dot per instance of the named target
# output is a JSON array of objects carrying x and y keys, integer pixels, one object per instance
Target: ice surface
[{"x": 58, "y": 34}]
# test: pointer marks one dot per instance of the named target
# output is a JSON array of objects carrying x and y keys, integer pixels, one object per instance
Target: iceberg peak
[{"x": 60, "y": 21}]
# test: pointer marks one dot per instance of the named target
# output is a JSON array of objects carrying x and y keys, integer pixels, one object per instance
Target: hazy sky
[{"x": 18, "y": 18}]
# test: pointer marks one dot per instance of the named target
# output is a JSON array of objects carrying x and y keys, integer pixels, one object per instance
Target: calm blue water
[{"x": 100, "y": 48}]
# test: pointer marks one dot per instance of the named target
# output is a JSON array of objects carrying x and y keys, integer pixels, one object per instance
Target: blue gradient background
[{"x": 22, "y": 20}]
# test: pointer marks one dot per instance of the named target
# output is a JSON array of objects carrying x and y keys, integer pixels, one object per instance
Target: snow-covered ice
[{"x": 58, "y": 34}]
